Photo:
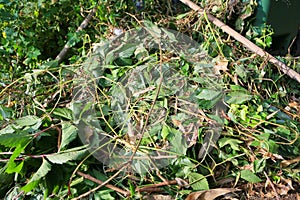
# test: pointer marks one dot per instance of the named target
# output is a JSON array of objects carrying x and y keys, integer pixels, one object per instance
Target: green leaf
[
  {"x": 69, "y": 133},
  {"x": 250, "y": 176},
  {"x": 238, "y": 97},
  {"x": 208, "y": 94},
  {"x": 63, "y": 157},
  {"x": 12, "y": 167},
  {"x": 198, "y": 181},
  {"x": 41, "y": 172},
  {"x": 127, "y": 50},
  {"x": 28, "y": 120},
  {"x": 234, "y": 143},
  {"x": 63, "y": 112},
  {"x": 5, "y": 113},
  {"x": 14, "y": 139},
  {"x": 165, "y": 132},
  {"x": 178, "y": 143}
]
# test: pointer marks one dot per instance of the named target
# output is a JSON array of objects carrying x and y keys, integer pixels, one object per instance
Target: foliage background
[{"x": 39, "y": 147}]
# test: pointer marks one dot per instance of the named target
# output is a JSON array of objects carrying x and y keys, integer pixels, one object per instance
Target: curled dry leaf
[
  {"x": 210, "y": 194},
  {"x": 286, "y": 163},
  {"x": 158, "y": 197},
  {"x": 221, "y": 65}
]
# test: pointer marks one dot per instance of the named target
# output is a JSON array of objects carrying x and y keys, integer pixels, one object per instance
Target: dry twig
[{"x": 247, "y": 43}]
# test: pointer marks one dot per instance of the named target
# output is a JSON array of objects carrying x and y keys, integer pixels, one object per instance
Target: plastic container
[{"x": 284, "y": 17}]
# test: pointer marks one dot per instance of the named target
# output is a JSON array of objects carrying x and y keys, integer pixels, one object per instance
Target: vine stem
[{"x": 247, "y": 43}]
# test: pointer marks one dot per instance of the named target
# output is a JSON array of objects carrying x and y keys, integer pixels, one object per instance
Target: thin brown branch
[
  {"x": 62, "y": 54},
  {"x": 155, "y": 186},
  {"x": 272, "y": 185},
  {"x": 89, "y": 177},
  {"x": 102, "y": 184},
  {"x": 247, "y": 43}
]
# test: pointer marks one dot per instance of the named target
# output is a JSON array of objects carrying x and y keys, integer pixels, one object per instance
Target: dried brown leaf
[
  {"x": 221, "y": 65},
  {"x": 286, "y": 163},
  {"x": 210, "y": 194},
  {"x": 158, "y": 197}
]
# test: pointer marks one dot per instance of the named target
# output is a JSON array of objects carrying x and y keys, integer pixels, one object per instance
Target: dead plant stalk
[{"x": 247, "y": 43}]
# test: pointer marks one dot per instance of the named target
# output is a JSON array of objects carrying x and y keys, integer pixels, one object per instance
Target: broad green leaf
[
  {"x": 69, "y": 133},
  {"x": 5, "y": 112},
  {"x": 41, "y": 172},
  {"x": 14, "y": 139},
  {"x": 178, "y": 143},
  {"x": 164, "y": 132},
  {"x": 127, "y": 50},
  {"x": 28, "y": 120},
  {"x": 154, "y": 30},
  {"x": 12, "y": 167},
  {"x": 234, "y": 143},
  {"x": 8, "y": 129},
  {"x": 198, "y": 181},
  {"x": 250, "y": 176},
  {"x": 63, "y": 112},
  {"x": 63, "y": 157},
  {"x": 208, "y": 94},
  {"x": 238, "y": 97}
]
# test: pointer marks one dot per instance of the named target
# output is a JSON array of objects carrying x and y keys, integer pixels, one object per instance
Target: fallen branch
[
  {"x": 62, "y": 54},
  {"x": 247, "y": 43},
  {"x": 89, "y": 177}
]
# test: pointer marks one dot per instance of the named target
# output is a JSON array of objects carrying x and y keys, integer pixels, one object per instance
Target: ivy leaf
[
  {"x": 250, "y": 176},
  {"x": 41, "y": 172},
  {"x": 234, "y": 143},
  {"x": 198, "y": 181},
  {"x": 69, "y": 133}
]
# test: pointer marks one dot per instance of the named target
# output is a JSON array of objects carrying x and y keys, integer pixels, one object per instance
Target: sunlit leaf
[
  {"x": 41, "y": 172},
  {"x": 63, "y": 112},
  {"x": 63, "y": 157}
]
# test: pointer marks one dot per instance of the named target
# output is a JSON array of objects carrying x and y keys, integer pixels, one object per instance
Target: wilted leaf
[
  {"x": 158, "y": 197},
  {"x": 221, "y": 66},
  {"x": 286, "y": 163},
  {"x": 209, "y": 194}
]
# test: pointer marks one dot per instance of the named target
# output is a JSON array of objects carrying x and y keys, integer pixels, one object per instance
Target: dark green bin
[{"x": 284, "y": 17}]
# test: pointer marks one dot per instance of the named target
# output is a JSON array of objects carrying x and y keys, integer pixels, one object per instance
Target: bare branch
[{"x": 247, "y": 43}]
